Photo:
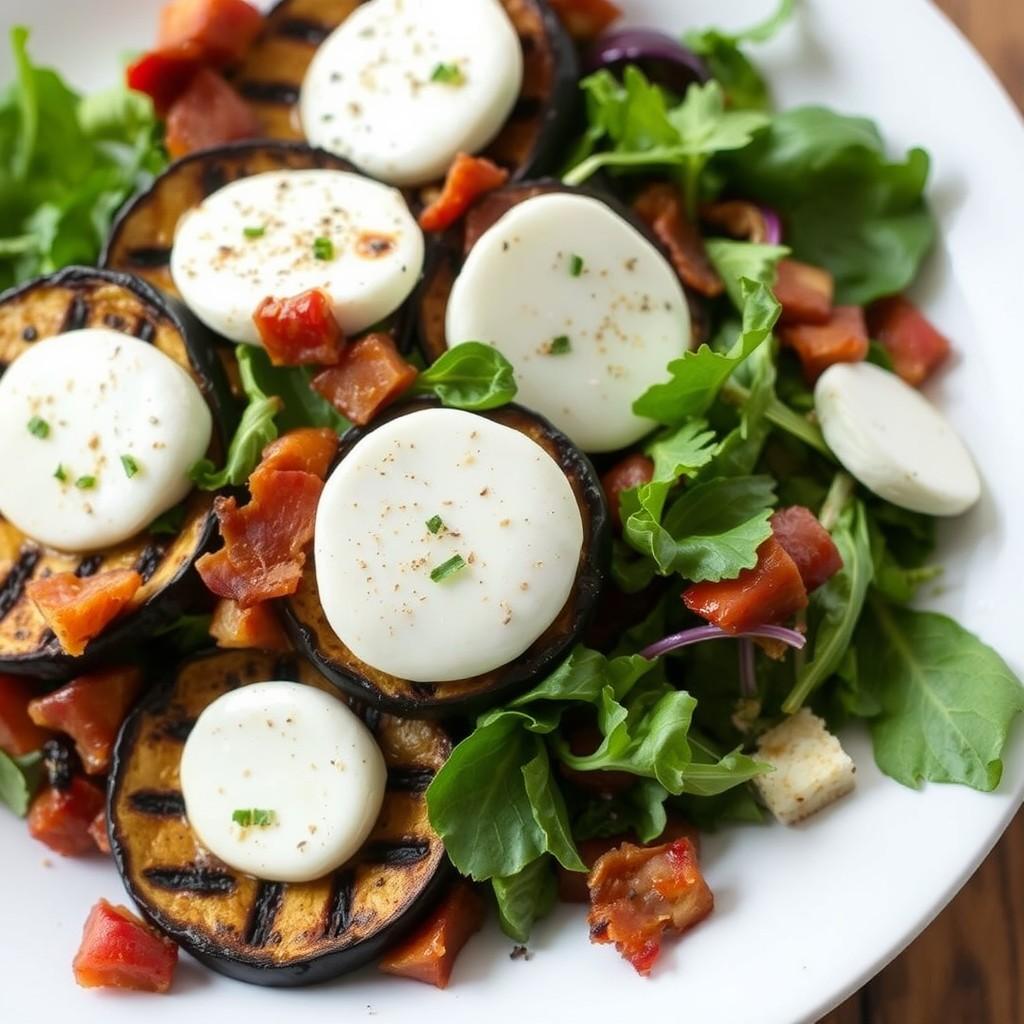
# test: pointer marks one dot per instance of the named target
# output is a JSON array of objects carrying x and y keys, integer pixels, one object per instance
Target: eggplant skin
[
  {"x": 80, "y": 297},
  {"x": 313, "y": 637},
  {"x": 267, "y": 933}
]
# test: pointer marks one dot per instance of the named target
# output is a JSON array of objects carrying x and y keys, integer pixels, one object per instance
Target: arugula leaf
[
  {"x": 631, "y": 571},
  {"x": 168, "y": 523},
  {"x": 847, "y": 207},
  {"x": 19, "y": 779},
  {"x": 301, "y": 405},
  {"x": 736, "y": 805},
  {"x": 698, "y": 376},
  {"x": 681, "y": 452},
  {"x": 896, "y": 583},
  {"x": 525, "y": 897},
  {"x": 470, "y": 376},
  {"x": 946, "y": 698},
  {"x": 549, "y": 811},
  {"x": 735, "y": 261},
  {"x": 640, "y": 810}
]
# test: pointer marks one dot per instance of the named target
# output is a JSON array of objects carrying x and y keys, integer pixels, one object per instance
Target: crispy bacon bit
[
  {"x": 221, "y": 30},
  {"x": 804, "y": 291},
  {"x": 428, "y": 955},
  {"x": 370, "y": 375},
  {"x": 61, "y": 818},
  {"x": 78, "y": 609},
  {"x": 163, "y": 75},
  {"x": 738, "y": 219},
  {"x": 300, "y": 330},
  {"x": 842, "y": 339},
  {"x": 119, "y": 950},
  {"x": 660, "y": 206},
  {"x": 585, "y": 20},
  {"x": 631, "y": 472},
  {"x": 90, "y": 709},
  {"x": 915, "y": 347},
  {"x": 771, "y": 592},
  {"x": 98, "y": 831},
  {"x": 638, "y": 893},
  {"x": 209, "y": 112},
  {"x": 307, "y": 449},
  {"x": 19, "y": 735},
  {"x": 808, "y": 543},
  {"x": 237, "y": 627},
  {"x": 469, "y": 177}
]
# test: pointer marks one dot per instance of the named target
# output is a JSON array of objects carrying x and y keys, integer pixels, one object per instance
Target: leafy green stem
[{"x": 781, "y": 416}]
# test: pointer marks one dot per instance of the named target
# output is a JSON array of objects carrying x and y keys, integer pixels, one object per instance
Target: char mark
[
  {"x": 191, "y": 878},
  {"x": 410, "y": 780},
  {"x": 527, "y": 108},
  {"x": 260, "y": 930},
  {"x": 177, "y": 729},
  {"x": 88, "y": 566},
  {"x": 149, "y": 257},
  {"x": 160, "y": 803},
  {"x": 282, "y": 94},
  {"x": 396, "y": 853},
  {"x": 212, "y": 179},
  {"x": 145, "y": 331},
  {"x": 339, "y": 915},
  {"x": 149, "y": 561},
  {"x": 12, "y": 587},
  {"x": 303, "y": 30},
  {"x": 286, "y": 668}
]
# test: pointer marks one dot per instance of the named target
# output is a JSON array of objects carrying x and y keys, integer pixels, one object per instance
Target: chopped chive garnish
[
  {"x": 575, "y": 265},
  {"x": 250, "y": 816},
  {"x": 85, "y": 483},
  {"x": 323, "y": 248},
  {"x": 60, "y": 474},
  {"x": 435, "y": 524},
  {"x": 255, "y": 231},
  {"x": 449, "y": 74},
  {"x": 560, "y": 345},
  {"x": 131, "y": 467},
  {"x": 38, "y": 427},
  {"x": 449, "y": 568}
]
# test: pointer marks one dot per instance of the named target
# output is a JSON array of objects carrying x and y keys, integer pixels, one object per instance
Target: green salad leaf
[
  {"x": 640, "y": 811},
  {"x": 525, "y": 897},
  {"x": 19, "y": 779},
  {"x": 471, "y": 376},
  {"x": 736, "y": 261},
  {"x": 301, "y": 405},
  {"x": 682, "y": 451}
]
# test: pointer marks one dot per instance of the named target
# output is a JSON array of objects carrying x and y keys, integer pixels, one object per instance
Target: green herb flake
[
  {"x": 249, "y": 817},
  {"x": 85, "y": 483},
  {"x": 131, "y": 467},
  {"x": 448, "y": 74},
  {"x": 435, "y": 524},
  {"x": 255, "y": 231},
  {"x": 560, "y": 345},
  {"x": 323, "y": 248},
  {"x": 446, "y": 569},
  {"x": 38, "y": 427},
  {"x": 575, "y": 265},
  {"x": 60, "y": 473}
]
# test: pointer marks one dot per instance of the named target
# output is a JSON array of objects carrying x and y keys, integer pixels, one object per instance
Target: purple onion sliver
[
  {"x": 701, "y": 633},
  {"x": 665, "y": 60},
  {"x": 748, "y": 668},
  {"x": 772, "y": 226}
]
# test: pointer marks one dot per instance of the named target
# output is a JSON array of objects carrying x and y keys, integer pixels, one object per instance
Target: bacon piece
[
  {"x": 307, "y": 449},
  {"x": 808, "y": 543},
  {"x": 61, "y": 818},
  {"x": 257, "y": 627},
  {"x": 469, "y": 177},
  {"x": 843, "y": 338},
  {"x": 638, "y": 893},
  {"x": 300, "y": 330},
  {"x": 209, "y": 112},
  {"x": 631, "y": 472},
  {"x": 915, "y": 347},
  {"x": 78, "y": 609},
  {"x": 804, "y": 291},
  {"x": 585, "y": 20},
  {"x": 19, "y": 735},
  {"x": 220, "y": 30}
]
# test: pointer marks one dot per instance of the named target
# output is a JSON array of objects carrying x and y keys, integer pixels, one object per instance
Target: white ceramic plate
[{"x": 803, "y": 916}]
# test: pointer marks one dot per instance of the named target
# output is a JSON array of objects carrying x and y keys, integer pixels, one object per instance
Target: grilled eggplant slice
[
  {"x": 142, "y": 236},
  {"x": 271, "y": 77},
  {"x": 313, "y": 636},
  {"x": 269, "y": 933},
  {"x": 85, "y": 297}
]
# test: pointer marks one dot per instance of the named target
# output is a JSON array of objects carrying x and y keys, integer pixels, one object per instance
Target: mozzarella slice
[
  {"x": 284, "y": 232},
  {"x": 98, "y": 431},
  {"x": 402, "y": 86},
  {"x": 503, "y": 507},
  {"x": 584, "y": 307},
  {"x": 894, "y": 441},
  {"x": 289, "y": 756}
]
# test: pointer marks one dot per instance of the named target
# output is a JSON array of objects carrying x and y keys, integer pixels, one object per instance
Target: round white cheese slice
[
  {"x": 481, "y": 507},
  {"x": 281, "y": 781},
  {"x": 284, "y": 232},
  {"x": 98, "y": 431},
  {"x": 402, "y": 86},
  {"x": 584, "y": 307},
  {"x": 894, "y": 441}
]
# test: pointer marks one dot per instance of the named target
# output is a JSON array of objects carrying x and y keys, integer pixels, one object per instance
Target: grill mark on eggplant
[
  {"x": 303, "y": 30},
  {"x": 191, "y": 878},
  {"x": 286, "y": 668},
  {"x": 212, "y": 179},
  {"x": 149, "y": 257},
  {"x": 396, "y": 853},
  {"x": 424, "y": 690},
  {"x": 149, "y": 561},
  {"x": 371, "y": 718},
  {"x": 88, "y": 566},
  {"x": 339, "y": 913},
  {"x": 177, "y": 729},
  {"x": 260, "y": 930},
  {"x": 114, "y": 322},
  {"x": 158, "y": 803},
  {"x": 29, "y": 333},
  {"x": 282, "y": 94},
  {"x": 77, "y": 315},
  {"x": 410, "y": 780},
  {"x": 12, "y": 587},
  {"x": 145, "y": 331},
  {"x": 526, "y": 108}
]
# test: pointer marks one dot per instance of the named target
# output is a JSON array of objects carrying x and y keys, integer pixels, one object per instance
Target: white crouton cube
[{"x": 811, "y": 768}]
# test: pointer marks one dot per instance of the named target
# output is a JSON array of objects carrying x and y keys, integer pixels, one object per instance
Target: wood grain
[{"x": 968, "y": 966}]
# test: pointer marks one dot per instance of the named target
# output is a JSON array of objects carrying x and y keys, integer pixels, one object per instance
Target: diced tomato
[
  {"x": 370, "y": 375},
  {"x": 660, "y": 206},
  {"x": 307, "y": 449},
  {"x": 61, "y": 818},
  {"x": 300, "y": 330},
  {"x": 237, "y": 627},
  {"x": 771, "y": 592},
  {"x": 19, "y": 735},
  {"x": 98, "y": 831},
  {"x": 804, "y": 291},
  {"x": 119, "y": 950},
  {"x": 428, "y": 955},
  {"x": 808, "y": 543},
  {"x": 631, "y": 472},
  {"x": 738, "y": 219},
  {"x": 469, "y": 177},
  {"x": 222, "y": 30},
  {"x": 210, "y": 112},
  {"x": 90, "y": 709},
  {"x": 585, "y": 20},
  {"x": 80, "y": 608},
  {"x": 915, "y": 347},
  {"x": 163, "y": 75},
  {"x": 638, "y": 893},
  {"x": 842, "y": 339}
]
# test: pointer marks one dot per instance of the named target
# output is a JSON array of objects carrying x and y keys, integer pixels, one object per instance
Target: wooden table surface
[{"x": 968, "y": 966}]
